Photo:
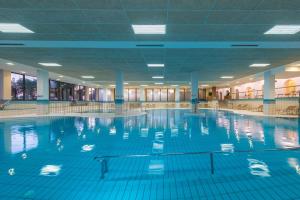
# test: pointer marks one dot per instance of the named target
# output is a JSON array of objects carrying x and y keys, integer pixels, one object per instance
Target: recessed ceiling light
[
  {"x": 149, "y": 29},
  {"x": 174, "y": 85},
  {"x": 50, "y": 64},
  {"x": 112, "y": 85},
  {"x": 22, "y": 72},
  {"x": 259, "y": 65},
  {"x": 284, "y": 29},
  {"x": 10, "y": 63},
  {"x": 13, "y": 28},
  {"x": 226, "y": 77},
  {"x": 204, "y": 85},
  {"x": 126, "y": 83},
  {"x": 157, "y": 77},
  {"x": 144, "y": 85},
  {"x": 156, "y": 65},
  {"x": 60, "y": 76},
  {"x": 158, "y": 83},
  {"x": 87, "y": 77}
]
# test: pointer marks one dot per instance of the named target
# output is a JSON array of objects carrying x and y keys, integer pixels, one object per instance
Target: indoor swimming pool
[{"x": 53, "y": 157}]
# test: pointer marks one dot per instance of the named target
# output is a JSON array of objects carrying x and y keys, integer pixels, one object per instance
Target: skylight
[
  {"x": 157, "y": 77},
  {"x": 50, "y": 64},
  {"x": 259, "y": 65},
  {"x": 149, "y": 29},
  {"x": 284, "y": 29},
  {"x": 156, "y": 65},
  {"x": 87, "y": 77},
  {"x": 13, "y": 28},
  {"x": 226, "y": 77}
]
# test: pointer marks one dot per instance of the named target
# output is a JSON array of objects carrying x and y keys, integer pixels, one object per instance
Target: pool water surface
[{"x": 53, "y": 157}]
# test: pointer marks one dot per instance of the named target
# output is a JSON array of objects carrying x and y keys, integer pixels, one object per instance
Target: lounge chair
[
  {"x": 259, "y": 108},
  {"x": 291, "y": 110}
]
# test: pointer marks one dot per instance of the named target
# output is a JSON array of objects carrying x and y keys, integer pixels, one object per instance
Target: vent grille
[
  {"x": 149, "y": 45},
  {"x": 11, "y": 44},
  {"x": 244, "y": 45}
]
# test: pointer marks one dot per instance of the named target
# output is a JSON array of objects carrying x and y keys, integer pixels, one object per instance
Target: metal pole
[{"x": 212, "y": 163}]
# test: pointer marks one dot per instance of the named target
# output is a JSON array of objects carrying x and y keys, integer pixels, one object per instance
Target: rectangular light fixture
[
  {"x": 144, "y": 85},
  {"x": 50, "y": 64},
  {"x": 174, "y": 85},
  {"x": 259, "y": 65},
  {"x": 283, "y": 29},
  {"x": 292, "y": 69},
  {"x": 126, "y": 83},
  {"x": 156, "y": 65},
  {"x": 159, "y": 83},
  {"x": 88, "y": 77},
  {"x": 204, "y": 85},
  {"x": 112, "y": 85},
  {"x": 149, "y": 29},
  {"x": 226, "y": 77},
  {"x": 10, "y": 63},
  {"x": 13, "y": 28},
  {"x": 157, "y": 77}
]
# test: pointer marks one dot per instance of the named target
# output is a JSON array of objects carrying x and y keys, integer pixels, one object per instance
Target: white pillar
[
  {"x": 97, "y": 94},
  {"x": 42, "y": 91},
  {"x": 142, "y": 94},
  {"x": 119, "y": 98},
  {"x": 87, "y": 94},
  {"x": 194, "y": 91},
  {"x": 177, "y": 94},
  {"x": 269, "y": 93},
  {"x": 5, "y": 85}
]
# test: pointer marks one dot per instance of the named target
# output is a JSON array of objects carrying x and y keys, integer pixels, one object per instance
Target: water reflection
[
  {"x": 258, "y": 168},
  {"x": 50, "y": 170}
]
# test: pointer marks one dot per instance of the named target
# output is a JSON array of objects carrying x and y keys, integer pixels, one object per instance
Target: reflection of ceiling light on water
[
  {"x": 50, "y": 170},
  {"x": 112, "y": 131},
  {"x": 258, "y": 168},
  {"x": 11, "y": 171},
  {"x": 87, "y": 147},
  {"x": 204, "y": 130},
  {"x": 125, "y": 135},
  {"x": 158, "y": 147},
  {"x": 229, "y": 148},
  {"x": 156, "y": 167},
  {"x": 144, "y": 132},
  {"x": 24, "y": 156},
  {"x": 159, "y": 135}
]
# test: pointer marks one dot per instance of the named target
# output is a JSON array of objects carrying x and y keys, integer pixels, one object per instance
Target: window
[
  {"x": 149, "y": 94},
  {"x": 30, "y": 87},
  {"x": 171, "y": 94},
  {"x": 23, "y": 87},
  {"x": 17, "y": 86},
  {"x": 156, "y": 94},
  {"x": 164, "y": 95}
]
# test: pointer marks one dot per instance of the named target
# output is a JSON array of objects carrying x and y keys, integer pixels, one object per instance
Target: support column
[
  {"x": 269, "y": 93},
  {"x": 194, "y": 90},
  {"x": 42, "y": 91},
  {"x": 97, "y": 94},
  {"x": 87, "y": 94},
  {"x": 5, "y": 85},
  {"x": 142, "y": 94},
  {"x": 119, "y": 98},
  {"x": 177, "y": 94}
]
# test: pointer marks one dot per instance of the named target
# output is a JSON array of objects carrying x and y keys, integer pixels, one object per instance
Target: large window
[
  {"x": 63, "y": 91},
  {"x": 131, "y": 94},
  {"x": 92, "y": 94},
  {"x": 23, "y": 87},
  {"x": 160, "y": 94},
  {"x": 185, "y": 94}
]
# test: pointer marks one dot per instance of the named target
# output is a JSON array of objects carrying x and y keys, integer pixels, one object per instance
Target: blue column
[
  {"x": 42, "y": 91},
  {"x": 119, "y": 98},
  {"x": 269, "y": 93},
  {"x": 194, "y": 92}
]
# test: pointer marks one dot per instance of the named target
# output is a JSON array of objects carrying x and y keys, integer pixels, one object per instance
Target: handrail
[{"x": 104, "y": 159}]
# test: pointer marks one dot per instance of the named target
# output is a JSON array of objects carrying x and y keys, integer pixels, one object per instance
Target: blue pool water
[{"x": 52, "y": 158}]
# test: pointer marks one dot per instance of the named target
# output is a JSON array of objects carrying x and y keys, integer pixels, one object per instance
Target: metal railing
[{"x": 104, "y": 159}]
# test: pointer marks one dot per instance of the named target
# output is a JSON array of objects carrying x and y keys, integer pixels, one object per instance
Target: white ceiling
[{"x": 186, "y": 20}]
